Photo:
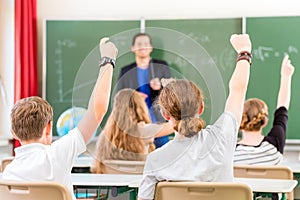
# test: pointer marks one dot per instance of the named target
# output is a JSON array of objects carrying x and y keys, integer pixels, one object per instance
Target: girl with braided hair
[{"x": 254, "y": 148}]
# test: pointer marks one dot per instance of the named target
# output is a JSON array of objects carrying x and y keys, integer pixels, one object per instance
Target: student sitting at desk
[
  {"x": 254, "y": 148},
  {"x": 128, "y": 133},
  {"x": 198, "y": 154},
  {"x": 38, "y": 159}
]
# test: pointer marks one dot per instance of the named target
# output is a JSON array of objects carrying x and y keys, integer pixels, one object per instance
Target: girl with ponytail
[{"x": 197, "y": 153}]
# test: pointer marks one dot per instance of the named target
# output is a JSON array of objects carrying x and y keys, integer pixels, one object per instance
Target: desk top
[
  {"x": 104, "y": 179},
  {"x": 256, "y": 185},
  {"x": 83, "y": 161},
  {"x": 295, "y": 166},
  {"x": 268, "y": 185},
  {"x": 87, "y": 179}
]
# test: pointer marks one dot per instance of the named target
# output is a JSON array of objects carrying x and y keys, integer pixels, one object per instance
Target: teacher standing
[{"x": 144, "y": 75}]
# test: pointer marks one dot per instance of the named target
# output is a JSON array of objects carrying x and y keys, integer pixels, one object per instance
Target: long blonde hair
[
  {"x": 182, "y": 100},
  {"x": 122, "y": 138},
  {"x": 255, "y": 115}
]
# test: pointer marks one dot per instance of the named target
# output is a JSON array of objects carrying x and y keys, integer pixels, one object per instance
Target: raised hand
[
  {"x": 108, "y": 49},
  {"x": 287, "y": 69},
  {"x": 241, "y": 42},
  {"x": 155, "y": 84}
]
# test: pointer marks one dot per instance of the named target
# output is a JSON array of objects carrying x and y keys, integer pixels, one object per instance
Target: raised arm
[
  {"x": 240, "y": 77},
  {"x": 284, "y": 94},
  {"x": 99, "y": 99},
  {"x": 167, "y": 129}
]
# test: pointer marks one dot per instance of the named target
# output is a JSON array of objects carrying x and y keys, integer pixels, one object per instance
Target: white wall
[
  {"x": 121, "y": 9},
  {"x": 6, "y": 64},
  {"x": 164, "y": 8}
]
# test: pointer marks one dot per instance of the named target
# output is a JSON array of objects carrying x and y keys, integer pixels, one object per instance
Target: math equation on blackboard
[{"x": 264, "y": 52}]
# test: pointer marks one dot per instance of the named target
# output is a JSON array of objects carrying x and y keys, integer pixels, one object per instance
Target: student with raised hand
[
  {"x": 128, "y": 133},
  {"x": 198, "y": 154},
  {"x": 254, "y": 148},
  {"x": 38, "y": 159}
]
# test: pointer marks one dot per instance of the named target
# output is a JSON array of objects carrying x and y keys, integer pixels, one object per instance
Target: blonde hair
[
  {"x": 182, "y": 100},
  {"x": 255, "y": 115},
  {"x": 122, "y": 138},
  {"x": 29, "y": 117}
]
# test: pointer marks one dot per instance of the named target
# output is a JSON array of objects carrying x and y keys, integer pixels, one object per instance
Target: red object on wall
[{"x": 26, "y": 70}]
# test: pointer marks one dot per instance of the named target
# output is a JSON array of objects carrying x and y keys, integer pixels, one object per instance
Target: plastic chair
[
  {"x": 202, "y": 190},
  {"x": 5, "y": 162},
  {"x": 16, "y": 190},
  {"x": 268, "y": 172},
  {"x": 122, "y": 167}
]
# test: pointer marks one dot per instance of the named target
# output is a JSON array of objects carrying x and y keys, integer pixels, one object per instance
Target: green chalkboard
[
  {"x": 272, "y": 38},
  {"x": 197, "y": 49},
  {"x": 72, "y": 56}
]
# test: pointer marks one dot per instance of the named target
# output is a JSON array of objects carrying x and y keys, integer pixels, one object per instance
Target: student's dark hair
[
  {"x": 141, "y": 34},
  {"x": 182, "y": 100}
]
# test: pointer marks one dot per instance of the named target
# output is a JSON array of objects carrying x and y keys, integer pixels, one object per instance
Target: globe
[{"x": 69, "y": 120}]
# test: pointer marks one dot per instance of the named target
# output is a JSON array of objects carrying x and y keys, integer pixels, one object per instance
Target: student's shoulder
[
  {"x": 128, "y": 67},
  {"x": 161, "y": 151},
  {"x": 73, "y": 135},
  {"x": 157, "y": 61},
  {"x": 225, "y": 123},
  {"x": 154, "y": 156}
]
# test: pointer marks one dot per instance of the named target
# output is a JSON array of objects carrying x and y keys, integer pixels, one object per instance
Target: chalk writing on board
[
  {"x": 224, "y": 61},
  {"x": 227, "y": 59},
  {"x": 120, "y": 41},
  {"x": 179, "y": 62},
  {"x": 189, "y": 60},
  {"x": 263, "y": 53},
  {"x": 58, "y": 51},
  {"x": 201, "y": 38}
]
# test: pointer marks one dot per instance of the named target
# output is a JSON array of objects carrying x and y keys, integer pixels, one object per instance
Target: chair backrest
[
  {"x": 16, "y": 190},
  {"x": 122, "y": 167},
  {"x": 5, "y": 162},
  {"x": 202, "y": 190},
  {"x": 268, "y": 172}
]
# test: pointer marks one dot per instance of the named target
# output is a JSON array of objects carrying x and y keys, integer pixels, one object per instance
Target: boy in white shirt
[{"x": 31, "y": 122}]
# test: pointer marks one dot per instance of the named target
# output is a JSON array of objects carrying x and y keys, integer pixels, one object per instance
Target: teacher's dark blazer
[{"x": 128, "y": 79}]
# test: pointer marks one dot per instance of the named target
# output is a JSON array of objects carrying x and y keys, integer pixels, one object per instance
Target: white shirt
[
  {"x": 38, "y": 162},
  {"x": 206, "y": 157}
]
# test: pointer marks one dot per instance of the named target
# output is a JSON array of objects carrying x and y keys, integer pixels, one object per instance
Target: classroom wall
[
  {"x": 6, "y": 65},
  {"x": 119, "y": 9}
]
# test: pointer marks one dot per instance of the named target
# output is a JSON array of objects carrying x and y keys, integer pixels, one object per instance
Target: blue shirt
[{"x": 144, "y": 87}]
